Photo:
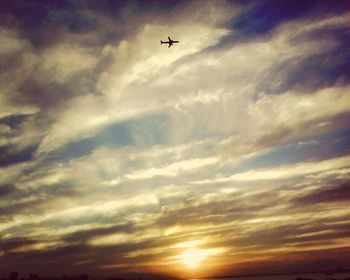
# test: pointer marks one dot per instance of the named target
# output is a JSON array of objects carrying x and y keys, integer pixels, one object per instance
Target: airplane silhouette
[{"x": 170, "y": 42}]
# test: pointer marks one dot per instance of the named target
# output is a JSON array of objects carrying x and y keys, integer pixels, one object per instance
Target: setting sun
[{"x": 192, "y": 258}]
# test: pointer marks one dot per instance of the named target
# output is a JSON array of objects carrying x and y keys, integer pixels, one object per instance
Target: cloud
[
  {"x": 174, "y": 169},
  {"x": 6, "y": 190},
  {"x": 260, "y": 17},
  {"x": 80, "y": 235},
  {"x": 185, "y": 104},
  {"x": 16, "y": 157},
  {"x": 63, "y": 61},
  {"x": 128, "y": 65},
  {"x": 323, "y": 68},
  {"x": 335, "y": 193},
  {"x": 15, "y": 243},
  {"x": 286, "y": 172},
  {"x": 12, "y": 42}
]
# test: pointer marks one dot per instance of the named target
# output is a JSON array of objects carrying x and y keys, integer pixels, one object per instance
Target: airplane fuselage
[{"x": 170, "y": 42}]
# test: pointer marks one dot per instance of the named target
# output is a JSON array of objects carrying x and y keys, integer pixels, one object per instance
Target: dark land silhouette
[
  {"x": 32, "y": 276},
  {"x": 14, "y": 275}
]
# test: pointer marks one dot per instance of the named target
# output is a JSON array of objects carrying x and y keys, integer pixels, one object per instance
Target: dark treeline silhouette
[{"x": 15, "y": 276}]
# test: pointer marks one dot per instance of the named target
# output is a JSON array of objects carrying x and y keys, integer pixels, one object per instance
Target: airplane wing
[
  {"x": 169, "y": 38},
  {"x": 169, "y": 46}
]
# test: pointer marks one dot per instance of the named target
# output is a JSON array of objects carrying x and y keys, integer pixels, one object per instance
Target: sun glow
[{"x": 192, "y": 258}]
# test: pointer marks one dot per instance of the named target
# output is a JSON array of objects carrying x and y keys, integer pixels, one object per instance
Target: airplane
[{"x": 170, "y": 42}]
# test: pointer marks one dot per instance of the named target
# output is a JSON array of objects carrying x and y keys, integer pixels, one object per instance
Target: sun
[{"x": 193, "y": 258}]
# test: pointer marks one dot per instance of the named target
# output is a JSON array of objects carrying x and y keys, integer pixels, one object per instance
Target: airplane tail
[{"x": 161, "y": 42}]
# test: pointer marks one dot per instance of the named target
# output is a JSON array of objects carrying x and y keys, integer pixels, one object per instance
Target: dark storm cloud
[
  {"x": 13, "y": 152},
  {"x": 270, "y": 236},
  {"x": 69, "y": 258},
  {"x": 60, "y": 259},
  {"x": 50, "y": 95},
  {"x": 84, "y": 235},
  {"x": 42, "y": 22},
  {"x": 25, "y": 207},
  {"x": 304, "y": 261},
  {"x": 121, "y": 9},
  {"x": 38, "y": 86},
  {"x": 320, "y": 70},
  {"x": 6, "y": 190},
  {"x": 46, "y": 23},
  {"x": 14, "y": 243},
  {"x": 336, "y": 192},
  {"x": 12, "y": 126},
  {"x": 41, "y": 196},
  {"x": 234, "y": 207},
  {"x": 14, "y": 121},
  {"x": 257, "y": 206},
  {"x": 303, "y": 73},
  {"x": 10, "y": 155},
  {"x": 260, "y": 17}
]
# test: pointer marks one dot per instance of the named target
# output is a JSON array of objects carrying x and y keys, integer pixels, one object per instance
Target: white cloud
[
  {"x": 198, "y": 89},
  {"x": 61, "y": 62},
  {"x": 134, "y": 60},
  {"x": 174, "y": 168},
  {"x": 286, "y": 172}
]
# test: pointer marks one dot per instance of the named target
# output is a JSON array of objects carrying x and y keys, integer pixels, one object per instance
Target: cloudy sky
[{"x": 228, "y": 153}]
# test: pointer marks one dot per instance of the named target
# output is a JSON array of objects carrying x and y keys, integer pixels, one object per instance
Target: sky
[{"x": 226, "y": 154}]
